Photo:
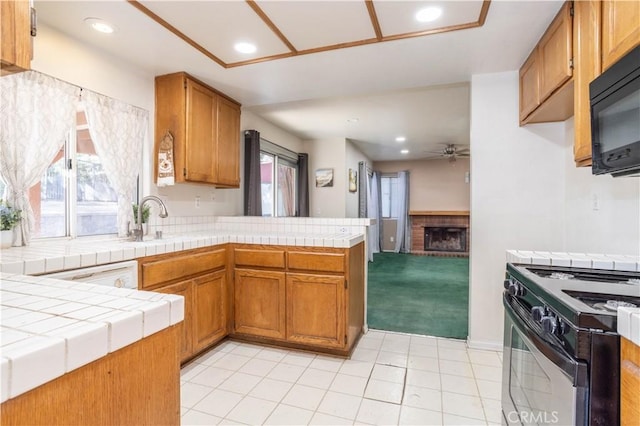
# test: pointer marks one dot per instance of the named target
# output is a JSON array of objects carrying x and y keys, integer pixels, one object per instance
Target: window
[
  {"x": 389, "y": 196},
  {"x": 74, "y": 196},
  {"x": 278, "y": 177}
]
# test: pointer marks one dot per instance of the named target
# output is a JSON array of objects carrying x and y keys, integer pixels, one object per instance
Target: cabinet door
[
  {"x": 529, "y": 85},
  {"x": 201, "y": 135},
  {"x": 555, "y": 53},
  {"x": 586, "y": 60},
  {"x": 228, "y": 148},
  {"x": 260, "y": 303},
  {"x": 620, "y": 29},
  {"x": 185, "y": 289},
  {"x": 210, "y": 309},
  {"x": 15, "y": 40},
  {"x": 316, "y": 310}
]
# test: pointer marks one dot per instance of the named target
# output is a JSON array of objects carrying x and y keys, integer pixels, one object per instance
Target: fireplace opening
[{"x": 445, "y": 239}]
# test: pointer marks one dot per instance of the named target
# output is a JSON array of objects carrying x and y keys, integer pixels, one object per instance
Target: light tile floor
[{"x": 391, "y": 378}]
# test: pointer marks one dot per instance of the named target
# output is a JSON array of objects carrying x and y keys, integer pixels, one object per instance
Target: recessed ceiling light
[
  {"x": 352, "y": 120},
  {"x": 244, "y": 47},
  {"x": 401, "y": 139},
  {"x": 100, "y": 25},
  {"x": 428, "y": 14},
  {"x": 404, "y": 151}
]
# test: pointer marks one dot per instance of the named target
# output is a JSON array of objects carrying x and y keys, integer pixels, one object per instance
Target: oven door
[{"x": 541, "y": 383}]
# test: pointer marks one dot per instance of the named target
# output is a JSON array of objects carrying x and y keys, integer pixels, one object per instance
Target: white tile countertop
[
  {"x": 629, "y": 324},
  {"x": 57, "y": 255},
  {"x": 51, "y": 327},
  {"x": 616, "y": 262}
]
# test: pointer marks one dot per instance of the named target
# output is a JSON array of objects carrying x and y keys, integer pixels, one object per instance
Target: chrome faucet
[{"x": 138, "y": 231}]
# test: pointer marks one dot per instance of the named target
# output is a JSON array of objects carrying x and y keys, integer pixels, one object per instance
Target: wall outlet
[
  {"x": 595, "y": 202},
  {"x": 392, "y": 239},
  {"x": 342, "y": 230},
  {"x": 197, "y": 201}
]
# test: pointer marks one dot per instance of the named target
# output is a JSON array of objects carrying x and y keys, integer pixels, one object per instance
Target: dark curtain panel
[
  {"x": 252, "y": 186},
  {"x": 303, "y": 185},
  {"x": 363, "y": 190}
]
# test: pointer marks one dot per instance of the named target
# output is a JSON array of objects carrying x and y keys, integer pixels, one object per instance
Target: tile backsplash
[{"x": 262, "y": 225}]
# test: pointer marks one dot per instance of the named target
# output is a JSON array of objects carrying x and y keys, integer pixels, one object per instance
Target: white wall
[
  {"x": 433, "y": 184},
  {"x": 517, "y": 195},
  {"x": 327, "y": 154},
  {"x": 353, "y": 156},
  {"x": 613, "y": 226}
]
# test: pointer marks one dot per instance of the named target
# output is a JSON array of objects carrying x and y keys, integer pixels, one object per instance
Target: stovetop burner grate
[{"x": 597, "y": 275}]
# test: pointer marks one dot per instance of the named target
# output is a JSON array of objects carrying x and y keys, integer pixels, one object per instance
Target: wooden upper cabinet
[
  {"x": 555, "y": 52},
  {"x": 15, "y": 32},
  {"x": 529, "y": 85},
  {"x": 205, "y": 125},
  {"x": 587, "y": 66},
  {"x": 201, "y": 135},
  {"x": 546, "y": 89},
  {"x": 620, "y": 29},
  {"x": 228, "y": 115}
]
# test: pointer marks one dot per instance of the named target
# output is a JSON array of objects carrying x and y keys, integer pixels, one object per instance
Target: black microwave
[{"x": 615, "y": 118}]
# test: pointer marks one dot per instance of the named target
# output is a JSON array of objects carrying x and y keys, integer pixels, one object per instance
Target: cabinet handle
[{"x": 34, "y": 22}]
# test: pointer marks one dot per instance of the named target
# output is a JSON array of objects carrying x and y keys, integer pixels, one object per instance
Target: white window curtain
[
  {"x": 37, "y": 113},
  {"x": 118, "y": 131},
  {"x": 373, "y": 211},
  {"x": 403, "y": 234}
]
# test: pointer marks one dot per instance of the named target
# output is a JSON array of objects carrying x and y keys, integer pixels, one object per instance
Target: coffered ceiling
[
  {"x": 281, "y": 29},
  {"x": 320, "y": 63}
]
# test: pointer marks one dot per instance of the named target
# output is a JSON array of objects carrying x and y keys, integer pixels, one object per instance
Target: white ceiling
[{"x": 388, "y": 86}]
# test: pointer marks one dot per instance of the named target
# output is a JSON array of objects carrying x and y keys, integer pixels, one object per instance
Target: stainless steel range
[{"x": 561, "y": 347}]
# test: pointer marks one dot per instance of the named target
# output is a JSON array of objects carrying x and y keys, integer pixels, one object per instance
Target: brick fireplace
[{"x": 446, "y": 233}]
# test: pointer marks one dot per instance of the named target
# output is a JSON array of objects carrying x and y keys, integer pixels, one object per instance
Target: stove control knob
[
  {"x": 507, "y": 283},
  {"x": 549, "y": 324},
  {"x": 515, "y": 288},
  {"x": 537, "y": 312}
]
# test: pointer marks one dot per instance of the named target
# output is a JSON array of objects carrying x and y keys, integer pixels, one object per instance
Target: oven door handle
[{"x": 575, "y": 369}]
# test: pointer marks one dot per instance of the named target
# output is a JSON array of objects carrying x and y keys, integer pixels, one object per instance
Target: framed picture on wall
[
  {"x": 353, "y": 179},
  {"x": 324, "y": 177}
]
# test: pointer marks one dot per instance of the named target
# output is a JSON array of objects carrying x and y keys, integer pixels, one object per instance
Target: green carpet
[{"x": 419, "y": 294}]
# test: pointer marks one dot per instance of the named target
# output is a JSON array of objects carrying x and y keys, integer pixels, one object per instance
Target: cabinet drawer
[
  {"x": 166, "y": 270},
  {"x": 309, "y": 261},
  {"x": 260, "y": 258}
]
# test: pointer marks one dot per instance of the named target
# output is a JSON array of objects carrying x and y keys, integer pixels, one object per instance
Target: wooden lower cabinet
[
  {"x": 259, "y": 303},
  {"x": 303, "y": 297},
  {"x": 629, "y": 383},
  {"x": 200, "y": 276},
  {"x": 185, "y": 328},
  {"x": 210, "y": 309},
  {"x": 138, "y": 384},
  {"x": 316, "y": 310}
]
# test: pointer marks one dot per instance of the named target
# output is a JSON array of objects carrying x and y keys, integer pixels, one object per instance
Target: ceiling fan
[{"x": 451, "y": 152}]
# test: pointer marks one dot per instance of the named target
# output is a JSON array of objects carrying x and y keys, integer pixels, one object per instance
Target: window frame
[
  {"x": 286, "y": 157},
  {"x": 393, "y": 178}
]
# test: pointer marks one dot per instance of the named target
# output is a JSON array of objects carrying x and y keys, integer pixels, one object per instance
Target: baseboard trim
[{"x": 484, "y": 345}]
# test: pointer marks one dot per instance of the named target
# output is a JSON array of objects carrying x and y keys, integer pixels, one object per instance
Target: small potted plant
[
  {"x": 146, "y": 210},
  {"x": 9, "y": 218}
]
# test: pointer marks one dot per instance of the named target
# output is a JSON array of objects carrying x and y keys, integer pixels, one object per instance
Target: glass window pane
[
  {"x": 266, "y": 183},
  {"x": 47, "y": 199},
  {"x": 385, "y": 193},
  {"x": 394, "y": 197},
  {"x": 286, "y": 190},
  {"x": 97, "y": 208}
]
